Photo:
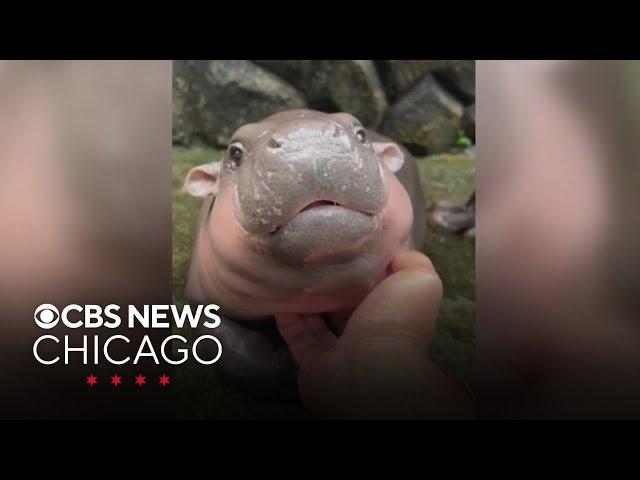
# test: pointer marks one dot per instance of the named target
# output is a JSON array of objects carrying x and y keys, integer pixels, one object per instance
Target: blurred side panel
[
  {"x": 85, "y": 209},
  {"x": 558, "y": 229}
]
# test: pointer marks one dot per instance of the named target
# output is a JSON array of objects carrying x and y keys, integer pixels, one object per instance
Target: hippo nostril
[{"x": 273, "y": 143}]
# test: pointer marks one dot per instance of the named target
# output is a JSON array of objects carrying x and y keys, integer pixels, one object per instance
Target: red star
[
  {"x": 92, "y": 380},
  {"x": 116, "y": 380},
  {"x": 164, "y": 380},
  {"x": 140, "y": 380}
]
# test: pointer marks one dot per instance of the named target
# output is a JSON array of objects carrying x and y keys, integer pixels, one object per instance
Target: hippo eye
[
  {"x": 361, "y": 135},
  {"x": 235, "y": 155}
]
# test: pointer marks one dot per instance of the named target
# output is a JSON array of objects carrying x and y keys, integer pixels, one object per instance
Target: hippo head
[{"x": 304, "y": 199}]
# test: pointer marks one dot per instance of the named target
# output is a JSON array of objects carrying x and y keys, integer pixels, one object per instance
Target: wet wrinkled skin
[{"x": 303, "y": 215}]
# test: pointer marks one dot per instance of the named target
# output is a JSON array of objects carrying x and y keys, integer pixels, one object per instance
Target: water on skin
[{"x": 203, "y": 394}]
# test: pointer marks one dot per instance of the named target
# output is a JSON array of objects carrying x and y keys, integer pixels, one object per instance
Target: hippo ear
[
  {"x": 203, "y": 180},
  {"x": 390, "y": 154}
]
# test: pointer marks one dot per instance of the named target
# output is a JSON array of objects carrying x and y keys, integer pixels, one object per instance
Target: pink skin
[{"x": 250, "y": 284}]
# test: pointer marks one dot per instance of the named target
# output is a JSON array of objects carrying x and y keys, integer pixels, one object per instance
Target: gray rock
[
  {"x": 214, "y": 98},
  {"x": 308, "y": 76},
  {"x": 188, "y": 82},
  {"x": 354, "y": 87},
  {"x": 179, "y": 134},
  {"x": 399, "y": 75},
  {"x": 459, "y": 76},
  {"x": 469, "y": 121},
  {"x": 336, "y": 85},
  {"x": 426, "y": 118}
]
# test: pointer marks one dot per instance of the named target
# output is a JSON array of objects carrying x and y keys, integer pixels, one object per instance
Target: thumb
[{"x": 404, "y": 305}]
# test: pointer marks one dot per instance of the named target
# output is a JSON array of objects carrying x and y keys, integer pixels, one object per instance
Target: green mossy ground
[{"x": 204, "y": 394}]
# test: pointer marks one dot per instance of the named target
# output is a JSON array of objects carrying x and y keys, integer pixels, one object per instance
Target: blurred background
[
  {"x": 85, "y": 209},
  {"x": 426, "y": 105},
  {"x": 558, "y": 235}
]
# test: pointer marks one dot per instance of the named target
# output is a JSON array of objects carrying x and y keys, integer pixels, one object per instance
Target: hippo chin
[{"x": 303, "y": 215}]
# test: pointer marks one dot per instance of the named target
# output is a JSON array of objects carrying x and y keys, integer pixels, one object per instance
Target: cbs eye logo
[{"x": 46, "y": 316}]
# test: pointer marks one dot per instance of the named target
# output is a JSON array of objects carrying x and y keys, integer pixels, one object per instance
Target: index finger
[
  {"x": 411, "y": 260},
  {"x": 404, "y": 305}
]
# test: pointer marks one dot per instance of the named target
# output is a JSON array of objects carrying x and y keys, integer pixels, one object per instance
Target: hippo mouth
[
  {"x": 320, "y": 203},
  {"x": 324, "y": 232},
  {"x": 321, "y": 207}
]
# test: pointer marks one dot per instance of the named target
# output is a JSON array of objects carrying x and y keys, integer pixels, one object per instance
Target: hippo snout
[{"x": 297, "y": 165}]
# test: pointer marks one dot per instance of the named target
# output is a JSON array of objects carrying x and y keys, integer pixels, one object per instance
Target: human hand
[{"x": 379, "y": 367}]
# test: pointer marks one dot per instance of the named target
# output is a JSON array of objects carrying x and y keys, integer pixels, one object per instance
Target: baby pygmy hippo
[{"x": 303, "y": 215}]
